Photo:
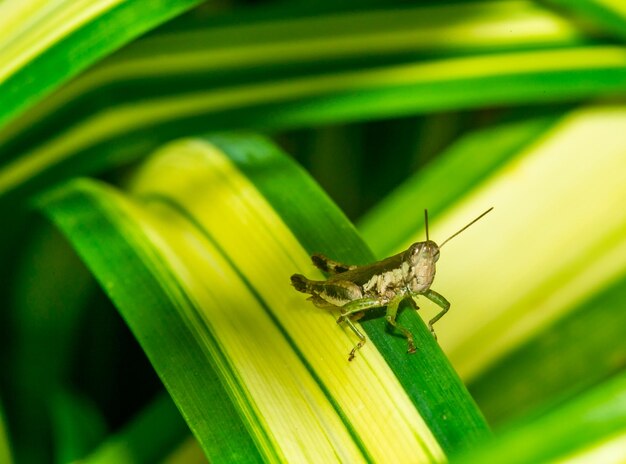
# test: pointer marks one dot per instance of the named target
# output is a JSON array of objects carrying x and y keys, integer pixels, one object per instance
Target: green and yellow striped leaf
[
  {"x": 140, "y": 99},
  {"x": 606, "y": 15},
  {"x": 212, "y": 235},
  {"x": 556, "y": 236},
  {"x": 196, "y": 248},
  {"x": 47, "y": 42},
  {"x": 588, "y": 429}
]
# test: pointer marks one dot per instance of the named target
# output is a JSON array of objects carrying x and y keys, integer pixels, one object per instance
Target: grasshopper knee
[{"x": 328, "y": 265}]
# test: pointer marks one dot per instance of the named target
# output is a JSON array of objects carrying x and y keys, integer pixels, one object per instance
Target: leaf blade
[
  {"x": 87, "y": 206},
  {"x": 88, "y": 36}
]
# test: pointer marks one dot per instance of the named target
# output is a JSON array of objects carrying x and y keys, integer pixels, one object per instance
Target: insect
[{"x": 355, "y": 289}]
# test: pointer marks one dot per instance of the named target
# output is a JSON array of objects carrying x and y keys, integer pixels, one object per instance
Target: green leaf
[
  {"x": 77, "y": 425},
  {"x": 225, "y": 308},
  {"x": 608, "y": 15},
  {"x": 5, "y": 445},
  {"x": 147, "y": 291},
  {"x": 45, "y": 43},
  {"x": 139, "y": 100},
  {"x": 585, "y": 428},
  {"x": 150, "y": 436},
  {"x": 576, "y": 352},
  {"x": 558, "y": 333}
]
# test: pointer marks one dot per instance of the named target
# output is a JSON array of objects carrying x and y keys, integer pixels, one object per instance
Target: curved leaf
[
  {"x": 215, "y": 242},
  {"x": 5, "y": 446},
  {"x": 150, "y": 98},
  {"x": 45, "y": 43},
  {"x": 587, "y": 428},
  {"x": 540, "y": 287},
  {"x": 145, "y": 439},
  {"x": 575, "y": 352},
  {"x": 608, "y": 15}
]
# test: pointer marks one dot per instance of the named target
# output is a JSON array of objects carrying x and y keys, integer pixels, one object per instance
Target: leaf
[
  {"x": 211, "y": 224},
  {"x": 152, "y": 98},
  {"x": 5, "y": 446},
  {"x": 515, "y": 278},
  {"x": 607, "y": 15},
  {"x": 149, "y": 437},
  {"x": 574, "y": 353},
  {"x": 45, "y": 43},
  {"x": 572, "y": 431},
  {"x": 77, "y": 425}
]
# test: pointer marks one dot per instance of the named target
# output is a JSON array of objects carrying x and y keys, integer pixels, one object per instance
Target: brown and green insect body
[{"x": 355, "y": 289}]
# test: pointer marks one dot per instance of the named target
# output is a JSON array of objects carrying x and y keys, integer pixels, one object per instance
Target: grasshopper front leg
[
  {"x": 392, "y": 311},
  {"x": 353, "y": 311},
  {"x": 440, "y": 301}
]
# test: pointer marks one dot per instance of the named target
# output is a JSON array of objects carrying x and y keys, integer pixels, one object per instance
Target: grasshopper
[{"x": 355, "y": 289}]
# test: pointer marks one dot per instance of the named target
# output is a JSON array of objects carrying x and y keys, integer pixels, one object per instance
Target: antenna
[
  {"x": 426, "y": 222},
  {"x": 457, "y": 233}
]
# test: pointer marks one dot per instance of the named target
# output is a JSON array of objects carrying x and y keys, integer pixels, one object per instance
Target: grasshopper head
[{"x": 421, "y": 259}]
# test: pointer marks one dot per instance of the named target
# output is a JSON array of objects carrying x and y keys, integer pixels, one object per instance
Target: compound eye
[{"x": 415, "y": 249}]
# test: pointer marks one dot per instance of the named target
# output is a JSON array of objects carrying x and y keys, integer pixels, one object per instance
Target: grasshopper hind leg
[
  {"x": 352, "y": 312},
  {"x": 330, "y": 266},
  {"x": 350, "y": 320}
]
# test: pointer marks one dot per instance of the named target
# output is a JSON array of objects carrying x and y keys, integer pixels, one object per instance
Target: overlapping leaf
[
  {"x": 5, "y": 448},
  {"x": 556, "y": 237},
  {"x": 533, "y": 291},
  {"x": 141, "y": 99},
  {"x": 588, "y": 429},
  {"x": 211, "y": 253},
  {"x": 47, "y": 42}
]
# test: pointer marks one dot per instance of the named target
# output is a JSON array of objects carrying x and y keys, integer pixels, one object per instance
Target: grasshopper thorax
[{"x": 420, "y": 265}]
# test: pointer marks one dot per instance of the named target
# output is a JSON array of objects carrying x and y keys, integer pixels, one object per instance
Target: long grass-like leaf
[
  {"x": 575, "y": 352},
  {"x": 182, "y": 364},
  {"x": 457, "y": 421},
  {"x": 535, "y": 259},
  {"x": 219, "y": 56},
  {"x": 77, "y": 133},
  {"x": 224, "y": 245},
  {"x": 145, "y": 439},
  {"x": 608, "y": 15},
  {"x": 5, "y": 447},
  {"x": 55, "y": 40},
  {"x": 588, "y": 429}
]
